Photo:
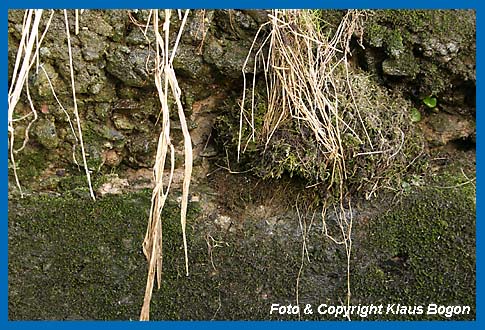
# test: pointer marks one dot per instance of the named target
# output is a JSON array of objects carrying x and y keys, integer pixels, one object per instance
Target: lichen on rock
[{"x": 46, "y": 134}]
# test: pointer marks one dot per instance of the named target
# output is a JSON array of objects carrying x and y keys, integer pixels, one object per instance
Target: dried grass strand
[
  {"x": 76, "y": 113},
  {"x": 302, "y": 69},
  {"x": 164, "y": 78}
]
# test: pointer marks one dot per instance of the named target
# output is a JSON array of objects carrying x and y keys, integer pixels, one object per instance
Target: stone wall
[{"x": 418, "y": 53}]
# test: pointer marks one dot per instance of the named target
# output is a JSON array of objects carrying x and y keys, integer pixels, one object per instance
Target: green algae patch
[
  {"x": 421, "y": 252},
  {"x": 72, "y": 258}
]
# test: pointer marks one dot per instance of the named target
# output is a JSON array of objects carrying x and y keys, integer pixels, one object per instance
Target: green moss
[
  {"x": 31, "y": 162},
  {"x": 405, "y": 66},
  {"x": 423, "y": 251},
  {"x": 73, "y": 250},
  {"x": 376, "y": 34},
  {"x": 227, "y": 125},
  {"x": 394, "y": 43},
  {"x": 381, "y": 124},
  {"x": 66, "y": 250},
  {"x": 440, "y": 22},
  {"x": 95, "y": 135},
  {"x": 442, "y": 38},
  {"x": 414, "y": 19}
]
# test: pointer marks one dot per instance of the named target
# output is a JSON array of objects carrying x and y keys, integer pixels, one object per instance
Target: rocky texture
[
  {"x": 420, "y": 53},
  {"x": 441, "y": 128},
  {"x": 45, "y": 133},
  {"x": 425, "y": 52},
  {"x": 116, "y": 96},
  {"x": 245, "y": 251},
  {"x": 246, "y": 242}
]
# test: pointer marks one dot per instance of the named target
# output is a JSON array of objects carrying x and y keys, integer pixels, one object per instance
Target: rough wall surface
[
  {"x": 71, "y": 258},
  {"x": 419, "y": 53}
]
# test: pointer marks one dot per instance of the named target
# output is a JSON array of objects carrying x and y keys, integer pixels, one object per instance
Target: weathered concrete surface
[{"x": 70, "y": 258}]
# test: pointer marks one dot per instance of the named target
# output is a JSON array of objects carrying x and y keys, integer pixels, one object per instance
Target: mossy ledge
[{"x": 84, "y": 259}]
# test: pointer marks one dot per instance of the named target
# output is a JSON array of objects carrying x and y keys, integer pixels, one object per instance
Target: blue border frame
[{"x": 338, "y": 4}]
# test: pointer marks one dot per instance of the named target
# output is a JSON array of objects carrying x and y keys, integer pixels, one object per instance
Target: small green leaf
[
  {"x": 415, "y": 115},
  {"x": 406, "y": 186},
  {"x": 429, "y": 101}
]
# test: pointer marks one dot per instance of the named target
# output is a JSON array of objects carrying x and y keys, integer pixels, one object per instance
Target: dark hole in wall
[
  {"x": 464, "y": 144},
  {"x": 395, "y": 264},
  {"x": 470, "y": 93},
  {"x": 418, "y": 51}
]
